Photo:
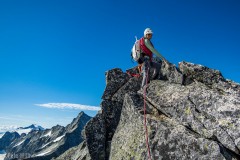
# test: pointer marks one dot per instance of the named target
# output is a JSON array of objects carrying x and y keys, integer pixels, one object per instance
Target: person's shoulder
[
  {"x": 142, "y": 40},
  {"x": 146, "y": 40}
]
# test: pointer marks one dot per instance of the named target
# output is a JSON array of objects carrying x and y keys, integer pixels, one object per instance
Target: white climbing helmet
[{"x": 147, "y": 31}]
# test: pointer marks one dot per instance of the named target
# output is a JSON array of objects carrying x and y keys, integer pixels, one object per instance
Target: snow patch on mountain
[
  {"x": 1, "y": 134},
  {"x": 46, "y": 144},
  {"x": 19, "y": 143},
  {"x": 47, "y": 134},
  {"x": 2, "y": 154},
  {"x": 58, "y": 138},
  {"x": 43, "y": 153},
  {"x": 19, "y": 130}
]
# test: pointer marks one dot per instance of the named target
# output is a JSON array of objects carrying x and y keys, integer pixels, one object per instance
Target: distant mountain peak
[{"x": 33, "y": 127}]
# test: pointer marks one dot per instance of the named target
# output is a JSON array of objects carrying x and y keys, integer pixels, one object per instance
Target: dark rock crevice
[
  {"x": 227, "y": 153},
  {"x": 236, "y": 148}
]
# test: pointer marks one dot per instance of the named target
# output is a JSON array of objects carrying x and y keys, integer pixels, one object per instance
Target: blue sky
[{"x": 57, "y": 51}]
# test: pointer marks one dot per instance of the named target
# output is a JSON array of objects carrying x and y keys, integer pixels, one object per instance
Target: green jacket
[{"x": 152, "y": 49}]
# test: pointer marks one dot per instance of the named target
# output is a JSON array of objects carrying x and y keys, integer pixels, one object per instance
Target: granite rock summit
[{"x": 192, "y": 112}]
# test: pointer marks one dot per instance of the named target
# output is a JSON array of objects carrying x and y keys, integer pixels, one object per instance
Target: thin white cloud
[
  {"x": 4, "y": 128},
  {"x": 69, "y": 106}
]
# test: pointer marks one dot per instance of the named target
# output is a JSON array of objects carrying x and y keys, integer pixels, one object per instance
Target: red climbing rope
[
  {"x": 145, "y": 118},
  {"x": 133, "y": 74}
]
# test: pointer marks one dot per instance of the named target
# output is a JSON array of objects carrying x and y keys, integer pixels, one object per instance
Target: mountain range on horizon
[
  {"x": 43, "y": 143},
  {"x": 7, "y": 137},
  {"x": 21, "y": 130}
]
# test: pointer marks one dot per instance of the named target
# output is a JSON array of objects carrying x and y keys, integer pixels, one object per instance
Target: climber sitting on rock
[{"x": 146, "y": 57}]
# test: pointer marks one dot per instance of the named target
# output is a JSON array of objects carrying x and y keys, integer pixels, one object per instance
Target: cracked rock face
[
  {"x": 192, "y": 112},
  {"x": 200, "y": 108},
  {"x": 167, "y": 138}
]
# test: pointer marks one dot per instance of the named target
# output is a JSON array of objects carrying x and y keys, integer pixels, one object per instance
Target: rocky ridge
[
  {"x": 7, "y": 139},
  {"x": 192, "y": 112}
]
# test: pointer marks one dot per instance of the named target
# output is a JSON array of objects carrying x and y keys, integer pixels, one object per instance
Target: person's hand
[{"x": 165, "y": 60}]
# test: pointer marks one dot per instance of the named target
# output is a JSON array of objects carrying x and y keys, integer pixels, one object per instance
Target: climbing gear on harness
[{"x": 134, "y": 74}]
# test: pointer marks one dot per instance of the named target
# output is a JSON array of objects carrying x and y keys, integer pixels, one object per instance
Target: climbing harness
[{"x": 139, "y": 68}]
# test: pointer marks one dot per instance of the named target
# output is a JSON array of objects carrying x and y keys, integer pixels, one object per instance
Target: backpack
[{"x": 136, "y": 50}]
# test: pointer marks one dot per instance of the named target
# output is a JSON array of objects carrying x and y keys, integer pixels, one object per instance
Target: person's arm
[{"x": 153, "y": 50}]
